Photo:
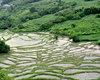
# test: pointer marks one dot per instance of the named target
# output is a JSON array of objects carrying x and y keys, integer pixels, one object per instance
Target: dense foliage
[
  {"x": 75, "y": 38},
  {"x": 3, "y": 47},
  {"x": 5, "y": 22},
  {"x": 6, "y": 1}
]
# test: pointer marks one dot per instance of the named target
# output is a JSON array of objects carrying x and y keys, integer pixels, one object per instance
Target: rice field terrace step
[{"x": 40, "y": 56}]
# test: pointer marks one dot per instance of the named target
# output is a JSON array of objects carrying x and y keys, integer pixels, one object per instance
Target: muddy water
[{"x": 41, "y": 56}]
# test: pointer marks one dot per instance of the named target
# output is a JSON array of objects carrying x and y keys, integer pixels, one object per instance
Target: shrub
[
  {"x": 59, "y": 19},
  {"x": 98, "y": 42},
  {"x": 32, "y": 16},
  {"x": 73, "y": 25},
  {"x": 98, "y": 78},
  {"x": 64, "y": 12},
  {"x": 3, "y": 76},
  {"x": 46, "y": 25},
  {"x": 29, "y": 16},
  {"x": 6, "y": 1},
  {"x": 98, "y": 16},
  {"x": 32, "y": 9},
  {"x": 91, "y": 10},
  {"x": 81, "y": 14},
  {"x": 76, "y": 17},
  {"x": 56, "y": 37},
  {"x": 13, "y": 25},
  {"x": 3, "y": 47},
  {"x": 20, "y": 26},
  {"x": 78, "y": 10},
  {"x": 75, "y": 38},
  {"x": 49, "y": 10},
  {"x": 69, "y": 4},
  {"x": 69, "y": 17},
  {"x": 5, "y": 22},
  {"x": 3, "y": 25},
  {"x": 23, "y": 19},
  {"x": 73, "y": 17}
]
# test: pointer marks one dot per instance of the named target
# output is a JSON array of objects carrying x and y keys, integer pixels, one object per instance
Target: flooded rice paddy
[{"x": 36, "y": 56}]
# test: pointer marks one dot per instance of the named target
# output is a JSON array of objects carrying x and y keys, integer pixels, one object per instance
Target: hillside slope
[{"x": 68, "y": 17}]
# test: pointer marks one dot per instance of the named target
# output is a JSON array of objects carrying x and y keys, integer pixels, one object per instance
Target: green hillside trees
[{"x": 4, "y": 48}]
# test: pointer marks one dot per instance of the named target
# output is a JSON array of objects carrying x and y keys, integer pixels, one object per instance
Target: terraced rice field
[{"x": 37, "y": 56}]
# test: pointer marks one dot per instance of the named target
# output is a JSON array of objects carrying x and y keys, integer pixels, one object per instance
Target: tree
[
  {"x": 59, "y": 2},
  {"x": 5, "y": 22},
  {"x": 32, "y": 9},
  {"x": 6, "y": 1},
  {"x": 75, "y": 38},
  {"x": 20, "y": 26},
  {"x": 46, "y": 25},
  {"x": 4, "y": 48}
]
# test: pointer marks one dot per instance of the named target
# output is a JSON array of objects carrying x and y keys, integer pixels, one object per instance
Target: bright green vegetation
[
  {"x": 98, "y": 78},
  {"x": 3, "y": 76},
  {"x": 4, "y": 48},
  {"x": 72, "y": 17}
]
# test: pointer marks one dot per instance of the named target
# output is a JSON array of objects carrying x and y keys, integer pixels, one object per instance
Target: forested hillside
[{"x": 78, "y": 18}]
